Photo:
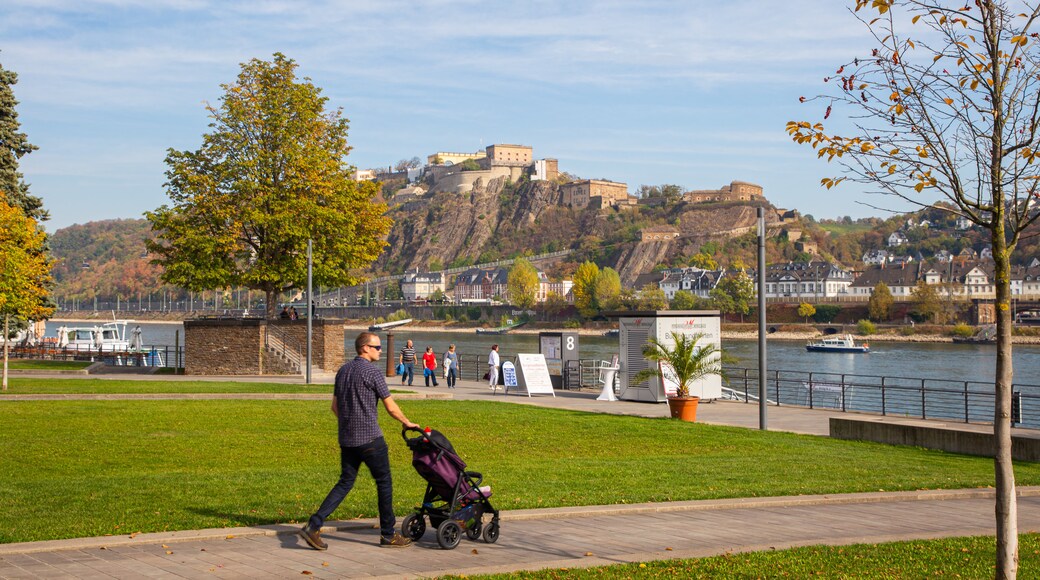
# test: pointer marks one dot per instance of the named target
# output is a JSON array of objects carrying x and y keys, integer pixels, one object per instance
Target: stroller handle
[{"x": 405, "y": 430}]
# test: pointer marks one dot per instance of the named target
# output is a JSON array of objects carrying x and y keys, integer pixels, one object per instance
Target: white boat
[
  {"x": 843, "y": 343},
  {"x": 106, "y": 337},
  {"x": 17, "y": 339}
]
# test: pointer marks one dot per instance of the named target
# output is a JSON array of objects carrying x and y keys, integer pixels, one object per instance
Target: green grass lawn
[
  {"x": 31, "y": 386},
  {"x": 47, "y": 365},
  {"x": 87, "y": 468},
  {"x": 948, "y": 558}
]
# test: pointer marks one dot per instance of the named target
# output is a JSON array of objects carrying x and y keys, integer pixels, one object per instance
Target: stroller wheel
[
  {"x": 473, "y": 532},
  {"x": 449, "y": 534},
  {"x": 413, "y": 527},
  {"x": 491, "y": 532}
]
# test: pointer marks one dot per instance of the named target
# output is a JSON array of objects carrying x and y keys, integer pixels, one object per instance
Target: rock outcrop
[{"x": 499, "y": 218}]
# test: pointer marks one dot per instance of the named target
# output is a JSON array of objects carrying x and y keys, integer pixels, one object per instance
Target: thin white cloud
[{"x": 660, "y": 84}]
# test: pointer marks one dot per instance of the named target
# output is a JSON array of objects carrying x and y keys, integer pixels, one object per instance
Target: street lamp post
[
  {"x": 762, "y": 422},
  {"x": 310, "y": 310}
]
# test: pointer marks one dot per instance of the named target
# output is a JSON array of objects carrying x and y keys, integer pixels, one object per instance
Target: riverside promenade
[{"x": 533, "y": 539}]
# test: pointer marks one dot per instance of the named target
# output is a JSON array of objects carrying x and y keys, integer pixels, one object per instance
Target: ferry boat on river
[{"x": 843, "y": 343}]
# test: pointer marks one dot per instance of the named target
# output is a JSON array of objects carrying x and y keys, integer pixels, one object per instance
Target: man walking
[
  {"x": 359, "y": 387},
  {"x": 407, "y": 358}
]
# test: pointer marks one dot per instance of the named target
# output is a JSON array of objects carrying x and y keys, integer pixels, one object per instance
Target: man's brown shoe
[
  {"x": 397, "y": 541},
  {"x": 313, "y": 538}
]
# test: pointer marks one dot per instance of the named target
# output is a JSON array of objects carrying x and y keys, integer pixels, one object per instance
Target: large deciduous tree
[
  {"x": 607, "y": 289},
  {"x": 879, "y": 306},
  {"x": 522, "y": 284},
  {"x": 805, "y": 310},
  {"x": 926, "y": 305},
  {"x": 270, "y": 175},
  {"x": 584, "y": 288},
  {"x": 947, "y": 105},
  {"x": 734, "y": 293},
  {"x": 25, "y": 272},
  {"x": 13, "y": 146},
  {"x": 651, "y": 297}
]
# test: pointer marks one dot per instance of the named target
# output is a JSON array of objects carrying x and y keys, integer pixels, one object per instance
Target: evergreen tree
[{"x": 13, "y": 145}]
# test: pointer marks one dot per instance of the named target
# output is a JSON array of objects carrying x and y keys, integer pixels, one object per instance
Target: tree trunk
[
  {"x": 269, "y": 304},
  {"x": 1006, "y": 505},
  {"x": 7, "y": 319}
]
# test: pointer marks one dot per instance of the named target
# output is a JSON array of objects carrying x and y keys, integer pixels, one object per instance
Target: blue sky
[{"x": 688, "y": 92}]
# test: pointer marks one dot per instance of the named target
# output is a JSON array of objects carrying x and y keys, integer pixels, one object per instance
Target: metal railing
[
  {"x": 963, "y": 401},
  {"x": 278, "y": 341},
  {"x": 148, "y": 356}
]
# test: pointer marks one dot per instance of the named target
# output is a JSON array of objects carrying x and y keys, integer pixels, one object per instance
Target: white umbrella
[
  {"x": 30, "y": 336},
  {"x": 99, "y": 338},
  {"x": 63, "y": 336},
  {"x": 135, "y": 338}
]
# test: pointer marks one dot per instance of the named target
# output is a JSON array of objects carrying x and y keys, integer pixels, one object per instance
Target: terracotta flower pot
[{"x": 683, "y": 408}]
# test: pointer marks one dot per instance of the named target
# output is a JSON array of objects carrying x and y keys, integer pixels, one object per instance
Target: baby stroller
[{"x": 454, "y": 501}]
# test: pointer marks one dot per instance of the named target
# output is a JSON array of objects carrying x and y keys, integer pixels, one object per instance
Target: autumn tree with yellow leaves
[
  {"x": 25, "y": 272},
  {"x": 271, "y": 175},
  {"x": 946, "y": 106}
]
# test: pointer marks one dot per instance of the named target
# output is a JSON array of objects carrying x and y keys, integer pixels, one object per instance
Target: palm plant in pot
[{"x": 686, "y": 363}]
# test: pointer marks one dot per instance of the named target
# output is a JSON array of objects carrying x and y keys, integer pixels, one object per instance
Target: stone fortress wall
[{"x": 735, "y": 191}]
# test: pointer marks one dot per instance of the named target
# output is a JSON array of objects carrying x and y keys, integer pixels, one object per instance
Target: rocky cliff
[{"x": 501, "y": 219}]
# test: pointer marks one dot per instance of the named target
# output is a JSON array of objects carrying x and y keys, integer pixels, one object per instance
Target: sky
[{"x": 687, "y": 92}]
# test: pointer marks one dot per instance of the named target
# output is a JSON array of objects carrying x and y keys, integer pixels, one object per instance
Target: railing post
[
  {"x": 811, "y": 392},
  {"x": 746, "y": 378},
  {"x": 883, "y": 410},
  {"x": 966, "y": 401},
  {"x": 924, "y": 411},
  {"x": 776, "y": 378}
]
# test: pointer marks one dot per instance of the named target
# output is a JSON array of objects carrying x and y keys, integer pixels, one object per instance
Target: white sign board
[
  {"x": 533, "y": 374},
  {"x": 509, "y": 374}
]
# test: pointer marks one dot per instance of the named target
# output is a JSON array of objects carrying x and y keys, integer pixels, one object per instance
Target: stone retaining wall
[
  {"x": 951, "y": 437},
  {"x": 235, "y": 346}
]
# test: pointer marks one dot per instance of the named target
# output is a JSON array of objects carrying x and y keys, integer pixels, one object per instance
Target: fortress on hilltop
[{"x": 735, "y": 191}]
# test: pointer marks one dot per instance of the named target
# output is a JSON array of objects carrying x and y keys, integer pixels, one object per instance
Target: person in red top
[{"x": 429, "y": 362}]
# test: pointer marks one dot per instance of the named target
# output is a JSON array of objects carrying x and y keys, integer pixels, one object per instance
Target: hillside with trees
[
  {"x": 108, "y": 259},
  {"x": 105, "y": 259}
]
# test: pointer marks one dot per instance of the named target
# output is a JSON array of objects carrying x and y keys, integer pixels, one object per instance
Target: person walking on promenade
[
  {"x": 429, "y": 361},
  {"x": 355, "y": 402},
  {"x": 493, "y": 367},
  {"x": 451, "y": 363},
  {"x": 407, "y": 358}
]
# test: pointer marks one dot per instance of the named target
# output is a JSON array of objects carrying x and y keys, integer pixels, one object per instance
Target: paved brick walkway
[{"x": 530, "y": 539}]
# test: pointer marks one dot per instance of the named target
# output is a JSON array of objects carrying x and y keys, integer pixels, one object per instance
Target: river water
[
  {"x": 937, "y": 361},
  {"x": 934, "y": 380}
]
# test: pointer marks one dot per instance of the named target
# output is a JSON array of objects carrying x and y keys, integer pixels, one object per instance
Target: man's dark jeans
[
  {"x": 377, "y": 457},
  {"x": 409, "y": 373}
]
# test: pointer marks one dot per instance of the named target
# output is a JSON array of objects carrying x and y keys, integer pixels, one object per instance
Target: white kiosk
[{"x": 638, "y": 327}]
